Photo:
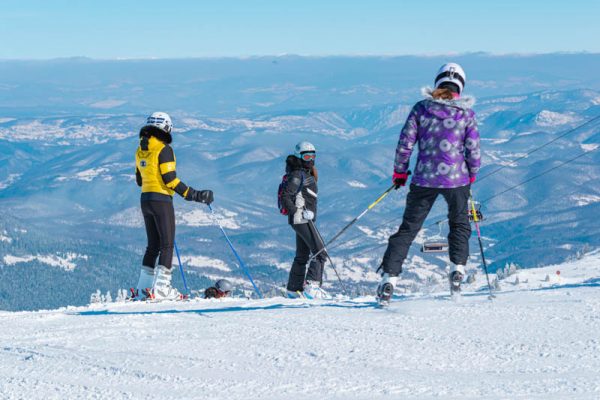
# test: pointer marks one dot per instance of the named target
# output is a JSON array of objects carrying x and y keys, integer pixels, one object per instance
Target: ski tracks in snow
[{"x": 525, "y": 345}]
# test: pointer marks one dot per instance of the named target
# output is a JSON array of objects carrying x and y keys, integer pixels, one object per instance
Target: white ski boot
[
  {"x": 143, "y": 290},
  {"x": 313, "y": 290},
  {"x": 385, "y": 290},
  {"x": 456, "y": 276},
  {"x": 162, "y": 289}
]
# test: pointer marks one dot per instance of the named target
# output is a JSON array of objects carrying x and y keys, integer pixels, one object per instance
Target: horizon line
[{"x": 299, "y": 55}]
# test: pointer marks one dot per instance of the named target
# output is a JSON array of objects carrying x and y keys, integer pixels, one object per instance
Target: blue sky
[{"x": 167, "y": 29}]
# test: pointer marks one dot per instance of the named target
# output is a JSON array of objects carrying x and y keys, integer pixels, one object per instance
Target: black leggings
[
  {"x": 307, "y": 243},
  {"x": 159, "y": 217},
  {"x": 418, "y": 204}
]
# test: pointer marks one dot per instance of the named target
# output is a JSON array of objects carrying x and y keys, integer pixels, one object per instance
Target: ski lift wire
[
  {"x": 542, "y": 174},
  {"x": 567, "y": 132}
]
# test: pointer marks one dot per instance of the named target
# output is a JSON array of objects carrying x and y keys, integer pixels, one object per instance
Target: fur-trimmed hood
[
  {"x": 463, "y": 102},
  {"x": 151, "y": 130}
]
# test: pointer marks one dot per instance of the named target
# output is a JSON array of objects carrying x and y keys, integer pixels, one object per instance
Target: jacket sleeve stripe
[
  {"x": 181, "y": 189},
  {"x": 167, "y": 167},
  {"x": 173, "y": 183}
]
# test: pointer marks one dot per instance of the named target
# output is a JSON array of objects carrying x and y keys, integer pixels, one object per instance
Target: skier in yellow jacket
[{"x": 156, "y": 174}]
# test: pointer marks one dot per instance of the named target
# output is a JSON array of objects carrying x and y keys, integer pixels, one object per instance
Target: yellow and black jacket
[{"x": 155, "y": 170}]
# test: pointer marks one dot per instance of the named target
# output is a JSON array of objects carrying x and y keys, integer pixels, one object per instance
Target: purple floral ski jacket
[{"x": 448, "y": 139}]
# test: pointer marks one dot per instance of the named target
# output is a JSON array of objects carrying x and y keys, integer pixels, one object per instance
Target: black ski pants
[
  {"x": 159, "y": 218},
  {"x": 307, "y": 242},
  {"x": 418, "y": 204}
]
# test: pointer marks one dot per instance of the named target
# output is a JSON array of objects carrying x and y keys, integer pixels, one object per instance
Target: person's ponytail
[{"x": 442, "y": 93}]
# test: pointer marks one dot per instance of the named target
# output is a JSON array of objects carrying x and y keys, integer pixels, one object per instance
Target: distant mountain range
[{"x": 71, "y": 222}]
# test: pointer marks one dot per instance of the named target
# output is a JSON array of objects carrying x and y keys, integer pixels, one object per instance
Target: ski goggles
[{"x": 309, "y": 156}]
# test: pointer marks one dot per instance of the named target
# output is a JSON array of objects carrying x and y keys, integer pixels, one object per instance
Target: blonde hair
[{"x": 442, "y": 93}]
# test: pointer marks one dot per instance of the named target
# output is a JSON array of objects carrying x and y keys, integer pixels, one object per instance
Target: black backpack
[{"x": 281, "y": 190}]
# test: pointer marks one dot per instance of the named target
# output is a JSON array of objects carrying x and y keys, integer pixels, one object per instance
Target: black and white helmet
[
  {"x": 161, "y": 120},
  {"x": 304, "y": 147},
  {"x": 453, "y": 73},
  {"x": 224, "y": 285}
]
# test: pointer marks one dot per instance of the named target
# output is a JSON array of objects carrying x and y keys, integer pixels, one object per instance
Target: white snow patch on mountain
[
  {"x": 193, "y": 123},
  {"x": 10, "y": 179},
  {"x": 285, "y": 265},
  {"x": 547, "y": 118},
  {"x": 269, "y": 245},
  {"x": 356, "y": 184},
  {"x": 205, "y": 262},
  {"x": 88, "y": 175},
  {"x": 65, "y": 261},
  {"x": 57, "y": 132},
  {"x": 502, "y": 158},
  {"x": 202, "y": 217},
  {"x": 130, "y": 217},
  {"x": 263, "y": 154},
  {"x": 585, "y": 199},
  {"x": 509, "y": 99},
  {"x": 5, "y": 238},
  {"x": 357, "y": 269},
  {"x": 590, "y": 146}
]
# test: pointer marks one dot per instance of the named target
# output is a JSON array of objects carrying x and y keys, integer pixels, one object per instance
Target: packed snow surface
[{"x": 537, "y": 340}]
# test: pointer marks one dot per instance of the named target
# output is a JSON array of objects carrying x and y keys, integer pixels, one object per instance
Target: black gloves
[
  {"x": 205, "y": 196},
  {"x": 201, "y": 196}
]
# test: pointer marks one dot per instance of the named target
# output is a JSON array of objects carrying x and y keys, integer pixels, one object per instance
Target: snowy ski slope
[{"x": 540, "y": 340}]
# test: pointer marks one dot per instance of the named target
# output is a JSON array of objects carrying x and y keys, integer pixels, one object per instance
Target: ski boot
[
  {"x": 139, "y": 294},
  {"x": 456, "y": 276},
  {"x": 313, "y": 290},
  {"x": 385, "y": 290},
  {"x": 143, "y": 289},
  {"x": 294, "y": 294},
  {"x": 162, "y": 289}
]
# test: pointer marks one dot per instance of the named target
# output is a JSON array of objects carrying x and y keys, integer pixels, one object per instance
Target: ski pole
[
  {"x": 344, "y": 229},
  {"x": 476, "y": 221},
  {"x": 181, "y": 269},
  {"x": 242, "y": 265},
  {"x": 312, "y": 224}
]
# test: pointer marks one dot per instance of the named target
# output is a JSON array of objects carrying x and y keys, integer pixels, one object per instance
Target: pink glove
[
  {"x": 472, "y": 179},
  {"x": 399, "y": 179}
]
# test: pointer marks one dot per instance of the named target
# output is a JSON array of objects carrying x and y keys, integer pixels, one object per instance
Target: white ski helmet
[
  {"x": 453, "y": 73},
  {"x": 161, "y": 120},
  {"x": 304, "y": 147},
  {"x": 224, "y": 285}
]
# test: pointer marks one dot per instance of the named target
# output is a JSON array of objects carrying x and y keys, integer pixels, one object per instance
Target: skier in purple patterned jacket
[{"x": 445, "y": 129}]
